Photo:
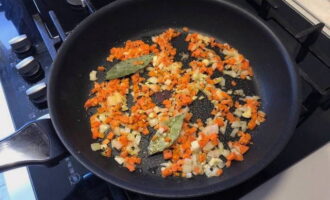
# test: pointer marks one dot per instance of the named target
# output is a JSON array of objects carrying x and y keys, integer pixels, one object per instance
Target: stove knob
[
  {"x": 20, "y": 44},
  {"x": 28, "y": 67},
  {"x": 38, "y": 93}
]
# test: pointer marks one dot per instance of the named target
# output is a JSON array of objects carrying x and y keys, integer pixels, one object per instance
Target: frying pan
[{"x": 88, "y": 45}]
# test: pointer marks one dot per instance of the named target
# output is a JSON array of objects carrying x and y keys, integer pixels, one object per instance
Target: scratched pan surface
[{"x": 275, "y": 82}]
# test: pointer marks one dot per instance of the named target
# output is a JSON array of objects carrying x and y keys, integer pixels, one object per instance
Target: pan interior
[{"x": 89, "y": 44}]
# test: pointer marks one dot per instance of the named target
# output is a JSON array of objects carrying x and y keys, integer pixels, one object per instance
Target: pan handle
[{"x": 34, "y": 143}]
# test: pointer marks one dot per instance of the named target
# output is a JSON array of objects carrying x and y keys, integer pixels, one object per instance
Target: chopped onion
[
  {"x": 95, "y": 146},
  {"x": 223, "y": 128},
  {"x": 92, "y": 75},
  {"x": 103, "y": 128},
  {"x": 233, "y": 132},
  {"x": 119, "y": 160},
  {"x": 211, "y": 129},
  {"x": 187, "y": 166},
  {"x": 225, "y": 152},
  {"x": 208, "y": 146},
  {"x": 152, "y": 80},
  {"x": 214, "y": 153},
  {"x": 239, "y": 92},
  {"x": 230, "y": 73},
  {"x": 116, "y": 144},
  {"x": 214, "y": 162},
  {"x": 153, "y": 122}
]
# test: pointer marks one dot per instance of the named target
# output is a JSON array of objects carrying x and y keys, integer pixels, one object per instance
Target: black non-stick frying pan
[{"x": 88, "y": 45}]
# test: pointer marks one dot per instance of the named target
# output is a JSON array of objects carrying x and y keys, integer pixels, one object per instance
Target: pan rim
[{"x": 206, "y": 190}]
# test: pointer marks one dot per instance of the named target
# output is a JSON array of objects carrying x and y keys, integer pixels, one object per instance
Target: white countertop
[
  {"x": 306, "y": 180},
  {"x": 315, "y": 11}
]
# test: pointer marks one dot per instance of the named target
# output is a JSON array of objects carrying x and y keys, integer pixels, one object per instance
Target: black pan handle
[{"x": 34, "y": 143}]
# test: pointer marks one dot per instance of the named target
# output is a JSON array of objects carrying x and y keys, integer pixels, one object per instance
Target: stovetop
[{"x": 69, "y": 179}]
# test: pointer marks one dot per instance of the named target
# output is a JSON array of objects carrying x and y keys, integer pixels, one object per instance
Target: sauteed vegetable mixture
[{"x": 128, "y": 108}]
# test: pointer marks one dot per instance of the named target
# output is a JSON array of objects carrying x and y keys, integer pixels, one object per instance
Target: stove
[{"x": 34, "y": 30}]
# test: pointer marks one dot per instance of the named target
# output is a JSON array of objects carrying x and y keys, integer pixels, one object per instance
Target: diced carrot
[
  {"x": 197, "y": 170},
  {"x": 234, "y": 156},
  {"x": 252, "y": 124},
  {"x": 101, "y": 68},
  {"x": 219, "y": 172},
  {"x": 210, "y": 81},
  {"x": 186, "y": 145},
  {"x": 185, "y": 29},
  {"x": 176, "y": 167},
  {"x": 107, "y": 152},
  {"x": 230, "y": 61},
  {"x": 152, "y": 73},
  {"x": 214, "y": 138},
  {"x": 245, "y": 64},
  {"x": 167, "y": 103},
  {"x": 228, "y": 163},
  {"x": 203, "y": 141},
  {"x": 106, "y": 141},
  {"x": 167, "y": 154},
  {"x": 201, "y": 157},
  {"x": 110, "y": 135},
  {"x": 124, "y": 119},
  {"x": 91, "y": 103},
  {"x": 238, "y": 157},
  {"x": 230, "y": 117},
  {"x": 242, "y": 76},
  {"x": 130, "y": 167},
  {"x": 123, "y": 154},
  {"x": 132, "y": 160},
  {"x": 145, "y": 131},
  {"x": 95, "y": 133},
  {"x": 166, "y": 172},
  {"x": 123, "y": 140},
  {"x": 199, "y": 123},
  {"x": 137, "y": 160},
  {"x": 231, "y": 156},
  {"x": 219, "y": 122},
  {"x": 220, "y": 66},
  {"x": 191, "y": 131},
  {"x": 243, "y": 149},
  {"x": 176, "y": 155},
  {"x": 188, "y": 116},
  {"x": 245, "y": 138},
  {"x": 185, "y": 155}
]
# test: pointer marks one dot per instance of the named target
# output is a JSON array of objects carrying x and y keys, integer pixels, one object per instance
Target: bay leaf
[
  {"x": 129, "y": 66},
  {"x": 158, "y": 143}
]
